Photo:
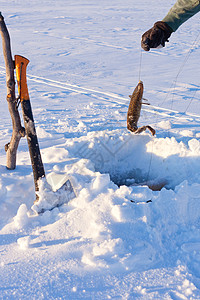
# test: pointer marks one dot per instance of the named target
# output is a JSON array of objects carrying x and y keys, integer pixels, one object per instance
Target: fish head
[
  {"x": 140, "y": 86},
  {"x": 139, "y": 90}
]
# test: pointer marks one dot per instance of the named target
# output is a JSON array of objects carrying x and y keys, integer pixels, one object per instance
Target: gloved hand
[{"x": 157, "y": 35}]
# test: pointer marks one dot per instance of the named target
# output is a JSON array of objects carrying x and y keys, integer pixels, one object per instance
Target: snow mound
[
  {"x": 116, "y": 228},
  {"x": 139, "y": 159},
  {"x": 21, "y": 219}
]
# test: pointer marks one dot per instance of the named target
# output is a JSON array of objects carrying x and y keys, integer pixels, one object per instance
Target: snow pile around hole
[
  {"x": 105, "y": 230},
  {"x": 114, "y": 228},
  {"x": 130, "y": 158}
]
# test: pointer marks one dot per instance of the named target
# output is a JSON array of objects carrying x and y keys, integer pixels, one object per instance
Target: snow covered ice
[{"x": 117, "y": 239}]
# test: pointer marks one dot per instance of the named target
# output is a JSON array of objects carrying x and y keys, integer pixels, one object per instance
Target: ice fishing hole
[
  {"x": 138, "y": 159},
  {"x": 137, "y": 178}
]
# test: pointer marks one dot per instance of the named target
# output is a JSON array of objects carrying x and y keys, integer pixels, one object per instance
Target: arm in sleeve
[{"x": 181, "y": 12}]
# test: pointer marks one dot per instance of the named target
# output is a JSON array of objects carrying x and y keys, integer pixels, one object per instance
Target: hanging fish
[{"x": 134, "y": 109}]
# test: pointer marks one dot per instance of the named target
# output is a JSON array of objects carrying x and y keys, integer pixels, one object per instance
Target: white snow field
[{"x": 117, "y": 239}]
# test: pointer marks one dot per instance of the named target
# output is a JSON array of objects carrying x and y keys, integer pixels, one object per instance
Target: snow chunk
[
  {"x": 194, "y": 146},
  {"x": 81, "y": 125},
  {"x": 116, "y": 212},
  {"x": 166, "y": 147},
  {"x": 21, "y": 219},
  {"x": 188, "y": 133},
  {"x": 90, "y": 260},
  {"x": 101, "y": 181},
  {"x": 41, "y": 133},
  {"x": 110, "y": 245},
  {"x": 187, "y": 287},
  {"x": 165, "y": 125},
  {"x": 24, "y": 242},
  {"x": 54, "y": 155}
]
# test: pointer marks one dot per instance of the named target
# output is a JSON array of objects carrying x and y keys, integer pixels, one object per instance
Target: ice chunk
[{"x": 57, "y": 180}]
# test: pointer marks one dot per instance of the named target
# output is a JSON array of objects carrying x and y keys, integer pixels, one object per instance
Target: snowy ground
[{"x": 117, "y": 239}]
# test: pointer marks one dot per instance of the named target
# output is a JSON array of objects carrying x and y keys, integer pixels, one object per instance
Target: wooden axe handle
[{"x": 34, "y": 150}]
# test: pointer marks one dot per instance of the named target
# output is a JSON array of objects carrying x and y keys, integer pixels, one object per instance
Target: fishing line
[
  {"x": 140, "y": 64},
  {"x": 190, "y": 102},
  {"x": 151, "y": 155},
  {"x": 194, "y": 44}
]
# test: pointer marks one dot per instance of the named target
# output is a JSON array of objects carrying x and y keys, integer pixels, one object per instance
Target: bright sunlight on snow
[{"x": 130, "y": 226}]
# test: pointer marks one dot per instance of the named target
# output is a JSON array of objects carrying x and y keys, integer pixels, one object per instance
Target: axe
[{"x": 61, "y": 180}]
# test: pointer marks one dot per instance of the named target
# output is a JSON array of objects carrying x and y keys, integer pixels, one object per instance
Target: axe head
[{"x": 21, "y": 65}]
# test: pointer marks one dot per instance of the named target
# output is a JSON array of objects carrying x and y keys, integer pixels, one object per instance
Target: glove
[{"x": 156, "y": 36}]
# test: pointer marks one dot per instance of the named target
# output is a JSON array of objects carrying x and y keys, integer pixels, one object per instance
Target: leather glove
[{"x": 156, "y": 36}]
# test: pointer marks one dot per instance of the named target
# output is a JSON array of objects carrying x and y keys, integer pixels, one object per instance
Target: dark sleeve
[{"x": 181, "y": 12}]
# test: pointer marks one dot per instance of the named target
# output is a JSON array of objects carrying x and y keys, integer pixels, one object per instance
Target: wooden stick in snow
[{"x": 18, "y": 130}]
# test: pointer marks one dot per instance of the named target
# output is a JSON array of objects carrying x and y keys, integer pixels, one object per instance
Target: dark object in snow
[
  {"x": 141, "y": 202},
  {"x": 134, "y": 109},
  {"x": 156, "y": 36}
]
